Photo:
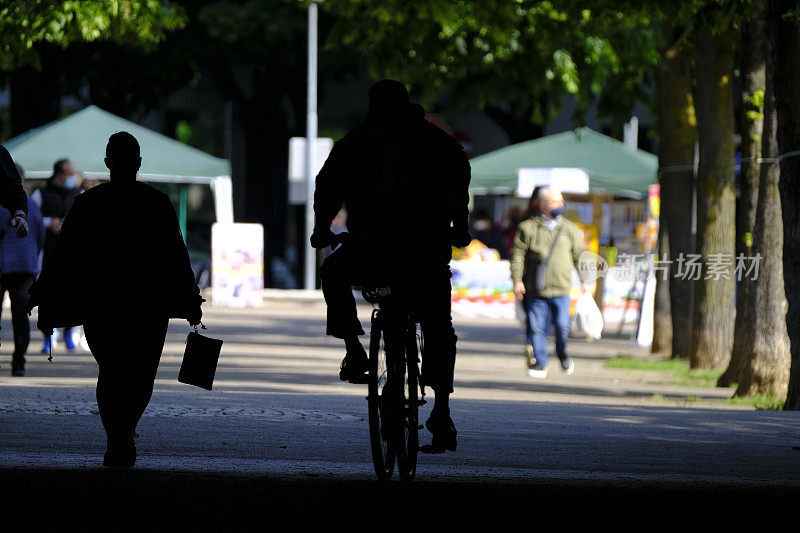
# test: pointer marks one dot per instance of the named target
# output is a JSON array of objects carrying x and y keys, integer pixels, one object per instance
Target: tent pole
[{"x": 182, "y": 209}]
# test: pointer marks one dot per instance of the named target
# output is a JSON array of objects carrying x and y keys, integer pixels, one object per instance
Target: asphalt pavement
[{"x": 280, "y": 438}]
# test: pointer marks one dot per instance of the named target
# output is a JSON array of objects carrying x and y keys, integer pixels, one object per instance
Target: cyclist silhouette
[{"x": 403, "y": 183}]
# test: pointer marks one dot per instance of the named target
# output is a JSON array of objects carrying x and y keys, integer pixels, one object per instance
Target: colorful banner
[
  {"x": 237, "y": 265},
  {"x": 483, "y": 288}
]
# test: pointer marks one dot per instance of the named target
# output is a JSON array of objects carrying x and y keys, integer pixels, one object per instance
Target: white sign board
[
  {"x": 297, "y": 166},
  {"x": 574, "y": 180},
  {"x": 237, "y": 264}
]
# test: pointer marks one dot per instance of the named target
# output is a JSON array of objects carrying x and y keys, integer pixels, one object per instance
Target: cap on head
[
  {"x": 387, "y": 95},
  {"x": 122, "y": 153}
]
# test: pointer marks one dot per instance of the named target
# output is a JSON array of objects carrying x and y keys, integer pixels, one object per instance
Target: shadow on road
[{"x": 116, "y": 500}]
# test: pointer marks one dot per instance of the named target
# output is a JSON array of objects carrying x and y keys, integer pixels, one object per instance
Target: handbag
[
  {"x": 541, "y": 267},
  {"x": 200, "y": 360}
]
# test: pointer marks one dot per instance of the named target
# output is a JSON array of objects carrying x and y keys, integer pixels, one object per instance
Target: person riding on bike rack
[{"x": 404, "y": 184}]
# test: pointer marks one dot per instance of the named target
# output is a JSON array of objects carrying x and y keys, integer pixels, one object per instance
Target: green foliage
[
  {"x": 23, "y": 24},
  {"x": 682, "y": 401},
  {"x": 756, "y": 100},
  {"x": 768, "y": 402},
  {"x": 526, "y": 54},
  {"x": 183, "y": 132}
]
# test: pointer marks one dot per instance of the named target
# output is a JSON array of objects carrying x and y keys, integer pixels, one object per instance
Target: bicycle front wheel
[{"x": 378, "y": 405}]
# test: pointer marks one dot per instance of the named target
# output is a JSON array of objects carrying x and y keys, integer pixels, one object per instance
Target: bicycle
[
  {"x": 394, "y": 390},
  {"x": 394, "y": 395}
]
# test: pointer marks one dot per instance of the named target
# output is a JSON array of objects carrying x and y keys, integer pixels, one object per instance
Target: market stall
[
  {"x": 605, "y": 187},
  {"x": 198, "y": 183}
]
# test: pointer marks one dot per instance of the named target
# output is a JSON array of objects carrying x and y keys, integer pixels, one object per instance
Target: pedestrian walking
[
  {"x": 12, "y": 195},
  {"x": 19, "y": 266},
  {"x": 57, "y": 197},
  {"x": 127, "y": 234},
  {"x": 546, "y": 248}
]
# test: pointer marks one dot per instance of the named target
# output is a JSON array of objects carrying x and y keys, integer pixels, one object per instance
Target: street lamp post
[{"x": 311, "y": 143}]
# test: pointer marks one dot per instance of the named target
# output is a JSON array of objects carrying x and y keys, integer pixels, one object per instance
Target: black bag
[
  {"x": 539, "y": 271},
  {"x": 200, "y": 360}
]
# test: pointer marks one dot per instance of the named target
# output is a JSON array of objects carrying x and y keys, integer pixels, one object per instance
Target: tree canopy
[
  {"x": 23, "y": 24},
  {"x": 515, "y": 60}
]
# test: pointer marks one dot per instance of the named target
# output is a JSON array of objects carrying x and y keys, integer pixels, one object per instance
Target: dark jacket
[
  {"x": 404, "y": 183},
  {"x": 56, "y": 201},
  {"x": 12, "y": 195},
  {"x": 21, "y": 255},
  {"x": 120, "y": 254}
]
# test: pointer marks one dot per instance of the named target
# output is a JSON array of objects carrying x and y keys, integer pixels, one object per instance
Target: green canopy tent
[
  {"x": 612, "y": 166},
  {"x": 82, "y": 137}
]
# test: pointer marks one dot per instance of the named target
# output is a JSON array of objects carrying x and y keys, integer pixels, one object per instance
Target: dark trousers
[
  {"x": 127, "y": 369},
  {"x": 425, "y": 285},
  {"x": 17, "y": 285}
]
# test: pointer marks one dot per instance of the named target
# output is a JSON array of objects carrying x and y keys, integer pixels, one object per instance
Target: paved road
[{"x": 279, "y": 421}]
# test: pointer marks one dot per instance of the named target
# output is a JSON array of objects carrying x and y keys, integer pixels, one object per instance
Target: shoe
[
  {"x": 68, "y": 344},
  {"x": 354, "y": 368},
  {"x": 46, "y": 346},
  {"x": 444, "y": 435},
  {"x": 18, "y": 369},
  {"x": 529, "y": 360},
  {"x": 120, "y": 454},
  {"x": 538, "y": 370},
  {"x": 567, "y": 365}
]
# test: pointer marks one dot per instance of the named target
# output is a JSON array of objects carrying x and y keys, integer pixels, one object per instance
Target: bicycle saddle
[{"x": 375, "y": 293}]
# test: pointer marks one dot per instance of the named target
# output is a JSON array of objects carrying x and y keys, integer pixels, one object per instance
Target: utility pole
[{"x": 311, "y": 143}]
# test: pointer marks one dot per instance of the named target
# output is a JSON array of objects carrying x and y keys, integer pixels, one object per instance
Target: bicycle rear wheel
[
  {"x": 407, "y": 460},
  {"x": 378, "y": 398}
]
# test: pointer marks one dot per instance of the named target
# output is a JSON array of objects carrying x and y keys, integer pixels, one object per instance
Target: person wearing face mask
[
  {"x": 57, "y": 197},
  {"x": 546, "y": 248},
  {"x": 488, "y": 233}
]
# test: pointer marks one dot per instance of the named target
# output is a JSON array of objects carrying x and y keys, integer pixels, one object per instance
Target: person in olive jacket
[
  {"x": 546, "y": 247},
  {"x": 126, "y": 234}
]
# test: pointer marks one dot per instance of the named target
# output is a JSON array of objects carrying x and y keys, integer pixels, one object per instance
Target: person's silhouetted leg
[
  {"x": 438, "y": 357},
  {"x": 18, "y": 293},
  {"x": 17, "y": 284},
  {"x": 111, "y": 392},
  {"x": 337, "y": 275},
  {"x": 125, "y": 382}
]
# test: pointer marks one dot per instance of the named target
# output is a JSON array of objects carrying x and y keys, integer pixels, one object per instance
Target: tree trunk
[
  {"x": 265, "y": 170},
  {"x": 785, "y": 42},
  {"x": 677, "y": 133},
  {"x": 714, "y": 308},
  {"x": 764, "y": 348},
  {"x": 662, "y": 321},
  {"x": 753, "y": 53},
  {"x": 260, "y": 157}
]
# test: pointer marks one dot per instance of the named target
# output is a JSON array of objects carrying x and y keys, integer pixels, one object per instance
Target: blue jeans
[{"x": 543, "y": 313}]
